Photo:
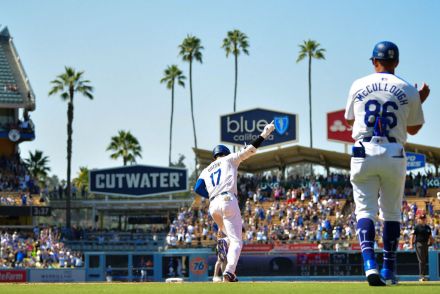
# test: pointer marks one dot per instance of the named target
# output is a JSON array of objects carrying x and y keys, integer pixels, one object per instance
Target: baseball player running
[
  {"x": 218, "y": 182},
  {"x": 382, "y": 108}
]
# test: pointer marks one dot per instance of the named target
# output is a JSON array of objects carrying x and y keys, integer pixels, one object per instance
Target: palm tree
[
  {"x": 125, "y": 145},
  {"x": 191, "y": 49},
  {"x": 67, "y": 85},
  {"x": 82, "y": 179},
  {"x": 234, "y": 43},
  {"x": 37, "y": 164},
  {"x": 171, "y": 74},
  {"x": 310, "y": 48}
]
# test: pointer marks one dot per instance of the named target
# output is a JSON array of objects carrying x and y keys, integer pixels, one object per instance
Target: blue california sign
[
  {"x": 414, "y": 160},
  {"x": 243, "y": 127},
  {"x": 138, "y": 180}
]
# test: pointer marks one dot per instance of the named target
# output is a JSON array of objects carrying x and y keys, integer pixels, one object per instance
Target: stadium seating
[
  {"x": 15, "y": 199},
  {"x": 9, "y": 93},
  {"x": 194, "y": 228},
  {"x": 38, "y": 248}
]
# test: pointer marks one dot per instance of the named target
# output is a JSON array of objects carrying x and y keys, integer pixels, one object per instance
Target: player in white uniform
[
  {"x": 218, "y": 182},
  {"x": 382, "y": 108}
]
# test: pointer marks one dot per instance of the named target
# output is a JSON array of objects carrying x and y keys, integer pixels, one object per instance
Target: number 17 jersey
[
  {"x": 386, "y": 96},
  {"x": 221, "y": 175}
]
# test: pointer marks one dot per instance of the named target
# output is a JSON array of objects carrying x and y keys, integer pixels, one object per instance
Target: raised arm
[{"x": 251, "y": 149}]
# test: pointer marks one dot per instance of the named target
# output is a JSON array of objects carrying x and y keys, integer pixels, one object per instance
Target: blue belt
[
  {"x": 222, "y": 193},
  {"x": 390, "y": 139}
]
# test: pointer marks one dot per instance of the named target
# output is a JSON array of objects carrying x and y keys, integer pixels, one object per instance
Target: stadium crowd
[
  {"x": 21, "y": 199},
  {"x": 108, "y": 236},
  {"x": 41, "y": 248},
  {"x": 300, "y": 209},
  {"x": 14, "y": 176}
]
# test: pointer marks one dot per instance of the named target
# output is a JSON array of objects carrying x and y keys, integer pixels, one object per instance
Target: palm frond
[
  {"x": 301, "y": 56},
  {"x": 191, "y": 48},
  {"x": 310, "y": 48},
  {"x": 125, "y": 145},
  {"x": 71, "y": 81}
]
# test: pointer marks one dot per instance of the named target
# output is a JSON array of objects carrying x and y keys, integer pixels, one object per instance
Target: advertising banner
[
  {"x": 57, "y": 275},
  {"x": 337, "y": 128},
  {"x": 295, "y": 247},
  {"x": 243, "y": 127},
  {"x": 138, "y": 180},
  {"x": 12, "y": 276},
  {"x": 198, "y": 268},
  {"x": 433, "y": 182},
  {"x": 257, "y": 248},
  {"x": 415, "y": 160}
]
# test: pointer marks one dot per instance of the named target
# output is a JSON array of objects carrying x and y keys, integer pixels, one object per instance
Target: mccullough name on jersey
[{"x": 381, "y": 87}]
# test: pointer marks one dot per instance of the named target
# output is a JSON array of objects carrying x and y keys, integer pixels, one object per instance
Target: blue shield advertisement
[
  {"x": 243, "y": 127},
  {"x": 415, "y": 160},
  {"x": 138, "y": 180}
]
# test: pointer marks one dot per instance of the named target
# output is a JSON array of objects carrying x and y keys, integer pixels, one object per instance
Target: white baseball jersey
[
  {"x": 221, "y": 175},
  {"x": 388, "y": 96}
]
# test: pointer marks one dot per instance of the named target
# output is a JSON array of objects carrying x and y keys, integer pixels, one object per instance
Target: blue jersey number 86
[{"x": 373, "y": 110}]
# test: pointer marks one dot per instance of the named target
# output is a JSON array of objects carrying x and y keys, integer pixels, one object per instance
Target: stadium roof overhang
[{"x": 281, "y": 157}]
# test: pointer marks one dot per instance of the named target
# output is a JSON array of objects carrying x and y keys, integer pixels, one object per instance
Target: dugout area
[{"x": 196, "y": 265}]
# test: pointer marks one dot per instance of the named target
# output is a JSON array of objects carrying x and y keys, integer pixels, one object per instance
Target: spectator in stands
[
  {"x": 325, "y": 212},
  {"x": 41, "y": 250},
  {"x": 23, "y": 199}
]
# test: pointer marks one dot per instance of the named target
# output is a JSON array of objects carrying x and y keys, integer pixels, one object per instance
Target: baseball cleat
[
  {"x": 373, "y": 277},
  {"x": 388, "y": 276},
  {"x": 229, "y": 277}
]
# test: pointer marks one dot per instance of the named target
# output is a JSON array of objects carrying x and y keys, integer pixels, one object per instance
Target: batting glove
[{"x": 268, "y": 129}]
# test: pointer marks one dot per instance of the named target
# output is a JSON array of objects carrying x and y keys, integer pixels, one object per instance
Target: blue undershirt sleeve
[{"x": 200, "y": 188}]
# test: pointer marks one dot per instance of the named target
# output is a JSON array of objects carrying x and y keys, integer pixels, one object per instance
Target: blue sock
[
  {"x": 366, "y": 233},
  {"x": 391, "y": 234}
]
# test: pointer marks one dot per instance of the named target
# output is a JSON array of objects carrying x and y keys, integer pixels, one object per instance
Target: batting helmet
[
  {"x": 220, "y": 150},
  {"x": 385, "y": 50}
]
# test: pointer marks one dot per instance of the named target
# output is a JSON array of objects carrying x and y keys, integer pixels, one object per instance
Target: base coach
[{"x": 422, "y": 238}]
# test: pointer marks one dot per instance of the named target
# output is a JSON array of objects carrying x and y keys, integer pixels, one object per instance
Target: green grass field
[{"x": 221, "y": 288}]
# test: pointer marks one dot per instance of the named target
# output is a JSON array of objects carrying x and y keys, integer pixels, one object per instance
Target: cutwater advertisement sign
[
  {"x": 414, "y": 160},
  {"x": 138, "y": 180},
  {"x": 243, "y": 127}
]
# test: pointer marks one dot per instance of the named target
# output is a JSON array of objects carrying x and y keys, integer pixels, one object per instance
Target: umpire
[{"x": 422, "y": 238}]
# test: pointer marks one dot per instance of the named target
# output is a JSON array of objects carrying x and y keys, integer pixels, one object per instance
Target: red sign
[
  {"x": 337, "y": 128},
  {"x": 257, "y": 247},
  {"x": 355, "y": 246},
  {"x": 296, "y": 247},
  {"x": 12, "y": 276}
]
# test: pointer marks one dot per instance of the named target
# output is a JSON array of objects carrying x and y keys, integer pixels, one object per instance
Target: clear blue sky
[{"x": 124, "y": 46}]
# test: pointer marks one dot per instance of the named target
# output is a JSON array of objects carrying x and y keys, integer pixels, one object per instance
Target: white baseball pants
[
  {"x": 226, "y": 214},
  {"x": 381, "y": 173}
]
